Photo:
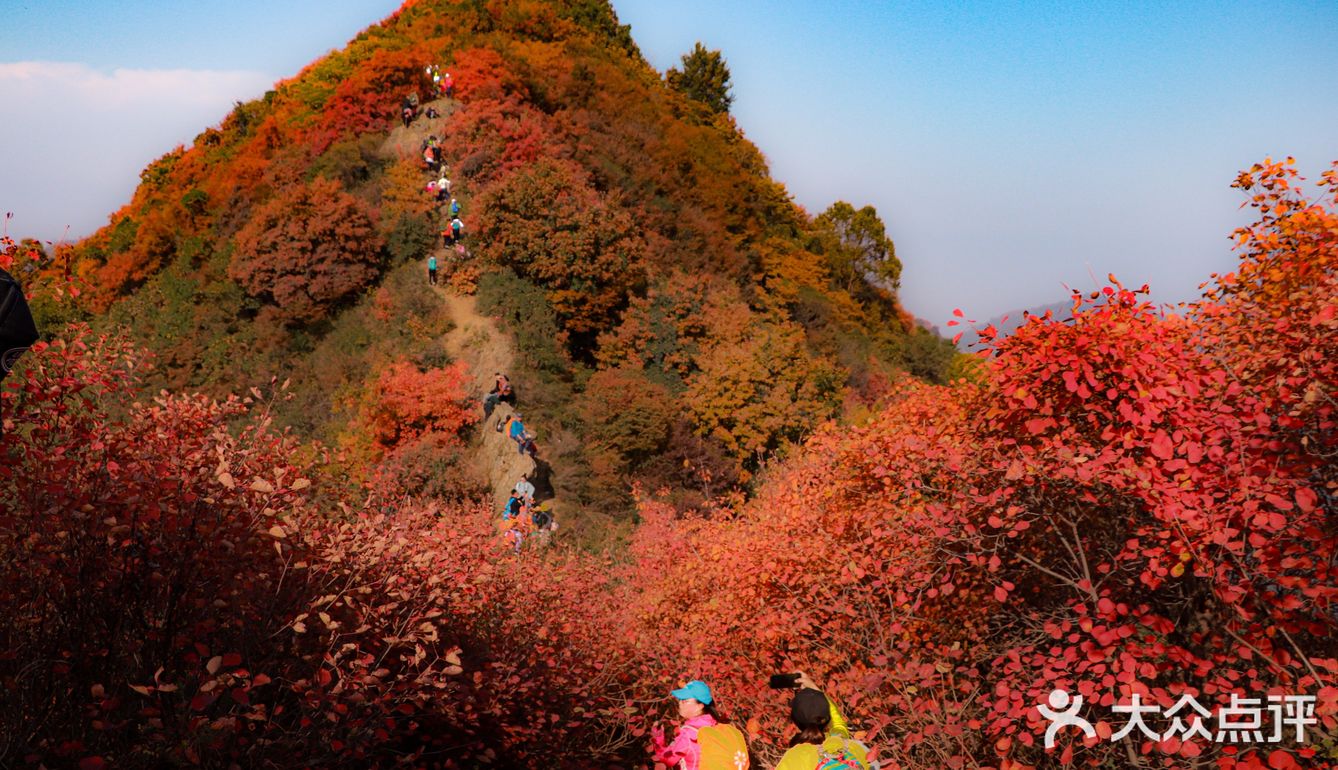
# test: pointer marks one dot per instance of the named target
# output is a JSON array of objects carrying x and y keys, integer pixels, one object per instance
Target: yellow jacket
[{"x": 805, "y": 756}]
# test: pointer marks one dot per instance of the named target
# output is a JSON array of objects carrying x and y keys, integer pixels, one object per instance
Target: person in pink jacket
[{"x": 697, "y": 708}]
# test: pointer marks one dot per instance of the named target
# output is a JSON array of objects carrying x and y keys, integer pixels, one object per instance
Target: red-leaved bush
[
  {"x": 1129, "y": 502},
  {"x": 181, "y": 593}
]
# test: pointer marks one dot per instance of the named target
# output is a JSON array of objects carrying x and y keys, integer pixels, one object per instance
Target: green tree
[
  {"x": 704, "y": 77},
  {"x": 856, "y": 246}
]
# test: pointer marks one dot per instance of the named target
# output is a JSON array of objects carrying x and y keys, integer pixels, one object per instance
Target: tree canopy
[{"x": 704, "y": 77}]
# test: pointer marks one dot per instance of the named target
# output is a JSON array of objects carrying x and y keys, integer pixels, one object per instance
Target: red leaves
[
  {"x": 410, "y": 404},
  {"x": 307, "y": 249},
  {"x": 1161, "y": 446}
]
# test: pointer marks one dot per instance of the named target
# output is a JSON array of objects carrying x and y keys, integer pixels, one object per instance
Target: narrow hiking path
[
  {"x": 475, "y": 339},
  {"x": 406, "y": 142},
  {"x": 485, "y": 349}
]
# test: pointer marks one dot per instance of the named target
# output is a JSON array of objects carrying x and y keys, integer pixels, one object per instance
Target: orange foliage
[
  {"x": 482, "y": 73},
  {"x": 410, "y": 404},
  {"x": 1130, "y": 502},
  {"x": 369, "y": 99},
  {"x": 548, "y": 224}
]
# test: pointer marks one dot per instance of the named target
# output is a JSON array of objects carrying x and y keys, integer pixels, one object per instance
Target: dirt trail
[
  {"x": 474, "y": 338},
  {"x": 485, "y": 349},
  {"x": 408, "y": 142}
]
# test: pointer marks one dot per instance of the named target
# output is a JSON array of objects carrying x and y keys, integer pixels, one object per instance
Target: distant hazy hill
[{"x": 1008, "y": 322}]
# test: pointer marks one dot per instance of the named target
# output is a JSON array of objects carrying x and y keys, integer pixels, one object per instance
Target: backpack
[
  {"x": 17, "y": 330},
  {"x": 723, "y": 748},
  {"x": 541, "y": 519},
  {"x": 842, "y": 760}
]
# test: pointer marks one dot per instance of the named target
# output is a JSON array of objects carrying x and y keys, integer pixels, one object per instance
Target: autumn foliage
[
  {"x": 412, "y": 404},
  {"x": 307, "y": 250},
  {"x": 1136, "y": 500},
  {"x": 1132, "y": 502}
]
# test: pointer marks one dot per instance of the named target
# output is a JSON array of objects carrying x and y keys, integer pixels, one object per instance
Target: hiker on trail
[
  {"x": 409, "y": 109},
  {"x": 432, "y": 271},
  {"x": 544, "y": 523},
  {"x": 446, "y": 238},
  {"x": 704, "y": 741},
  {"x": 455, "y": 207},
  {"x": 501, "y": 391},
  {"x": 430, "y": 158},
  {"x": 457, "y": 228},
  {"x": 514, "y": 534},
  {"x": 527, "y": 446},
  {"x": 432, "y": 113},
  {"x": 516, "y": 430},
  {"x": 443, "y": 188},
  {"x": 523, "y": 438},
  {"x": 513, "y": 505},
  {"x": 824, "y": 738},
  {"x": 447, "y": 85},
  {"x": 524, "y": 488}
]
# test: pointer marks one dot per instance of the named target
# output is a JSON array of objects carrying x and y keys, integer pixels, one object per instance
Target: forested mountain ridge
[
  {"x": 1118, "y": 503},
  {"x": 634, "y": 219}
]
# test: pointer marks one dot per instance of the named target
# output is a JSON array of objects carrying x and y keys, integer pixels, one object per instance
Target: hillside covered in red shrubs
[{"x": 212, "y": 555}]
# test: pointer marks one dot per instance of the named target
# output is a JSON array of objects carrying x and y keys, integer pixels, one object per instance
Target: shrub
[{"x": 307, "y": 250}]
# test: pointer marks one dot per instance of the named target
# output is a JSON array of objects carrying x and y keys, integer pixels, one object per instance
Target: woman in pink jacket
[{"x": 697, "y": 708}]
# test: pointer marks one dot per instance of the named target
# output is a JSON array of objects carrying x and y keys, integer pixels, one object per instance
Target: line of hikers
[
  {"x": 707, "y": 741},
  {"x": 442, "y": 85},
  {"x": 410, "y": 109},
  {"x": 522, "y": 518}
]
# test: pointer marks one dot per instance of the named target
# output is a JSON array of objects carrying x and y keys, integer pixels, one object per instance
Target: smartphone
[{"x": 784, "y": 681}]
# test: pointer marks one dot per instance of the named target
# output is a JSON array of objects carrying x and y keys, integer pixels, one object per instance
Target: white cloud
[{"x": 73, "y": 139}]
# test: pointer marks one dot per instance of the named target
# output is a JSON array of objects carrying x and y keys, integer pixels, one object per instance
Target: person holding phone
[{"x": 824, "y": 737}]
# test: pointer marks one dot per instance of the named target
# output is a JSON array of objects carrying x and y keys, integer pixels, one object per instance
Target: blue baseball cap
[{"x": 696, "y": 690}]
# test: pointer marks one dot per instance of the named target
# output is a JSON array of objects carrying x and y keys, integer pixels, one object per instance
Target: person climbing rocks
[
  {"x": 824, "y": 738},
  {"x": 705, "y": 741},
  {"x": 501, "y": 392},
  {"x": 513, "y": 505},
  {"x": 432, "y": 271},
  {"x": 516, "y": 431},
  {"x": 409, "y": 109},
  {"x": 524, "y": 488}
]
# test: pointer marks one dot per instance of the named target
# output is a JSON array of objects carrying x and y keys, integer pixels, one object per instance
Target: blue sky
[{"x": 1011, "y": 148}]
